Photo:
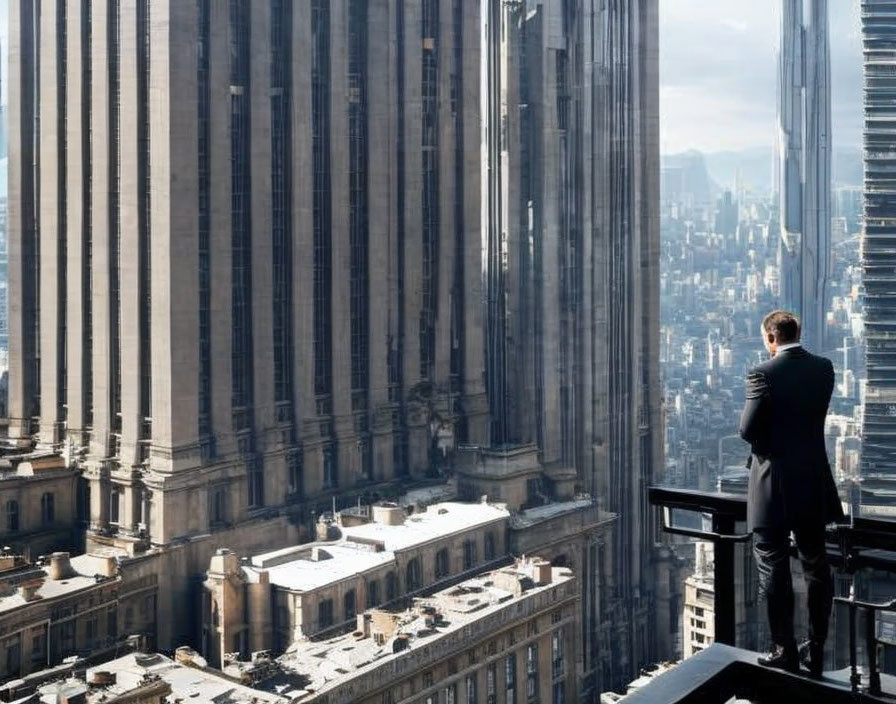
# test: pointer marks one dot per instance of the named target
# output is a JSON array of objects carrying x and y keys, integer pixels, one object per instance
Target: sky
[{"x": 718, "y": 74}]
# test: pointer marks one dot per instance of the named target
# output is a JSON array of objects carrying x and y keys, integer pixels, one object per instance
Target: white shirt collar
[{"x": 788, "y": 346}]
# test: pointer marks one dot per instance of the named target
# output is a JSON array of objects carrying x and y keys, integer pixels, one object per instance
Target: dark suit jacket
[{"x": 791, "y": 484}]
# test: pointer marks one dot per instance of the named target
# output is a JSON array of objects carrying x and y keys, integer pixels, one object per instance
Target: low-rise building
[
  {"x": 318, "y": 589},
  {"x": 65, "y": 607},
  {"x": 505, "y": 636},
  {"x": 38, "y": 504}
]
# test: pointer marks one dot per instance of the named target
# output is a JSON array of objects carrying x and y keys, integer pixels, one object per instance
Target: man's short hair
[{"x": 783, "y": 325}]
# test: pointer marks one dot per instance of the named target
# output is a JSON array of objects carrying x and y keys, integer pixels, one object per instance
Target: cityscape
[{"x": 343, "y": 343}]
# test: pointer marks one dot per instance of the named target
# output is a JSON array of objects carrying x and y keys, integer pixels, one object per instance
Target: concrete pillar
[
  {"x": 473, "y": 340},
  {"x": 341, "y": 324},
  {"x": 262, "y": 271},
  {"x": 52, "y": 204},
  {"x": 220, "y": 235},
  {"x": 20, "y": 219},
  {"x": 381, "y": 226},
  {"x": 304, "y": 407},
  {"x": 129, "y": 239},
  {"x": 99, "y": 291},
  {"x": 447, "y": 190},
  {"x": 76, "y": 185}
]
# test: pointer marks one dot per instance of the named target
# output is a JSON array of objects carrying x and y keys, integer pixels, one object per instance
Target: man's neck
[{"x": 788, "y": 346}]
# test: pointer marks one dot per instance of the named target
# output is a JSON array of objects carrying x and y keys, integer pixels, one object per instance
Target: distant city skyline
[{"x": 718, "y": 74}]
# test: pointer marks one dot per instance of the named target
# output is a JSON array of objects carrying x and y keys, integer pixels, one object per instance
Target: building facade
[
  {"x": 878, "y": 422},
  {"x": 804, "y": 165},
  {"x": 244, "y": 252}
]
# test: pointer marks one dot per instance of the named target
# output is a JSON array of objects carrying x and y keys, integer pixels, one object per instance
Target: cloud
[{"x": 718, "y": 73}]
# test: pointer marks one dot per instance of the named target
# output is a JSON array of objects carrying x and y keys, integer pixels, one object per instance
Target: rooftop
[
  {"x": 310, "y": 668},
  {"x": 370, "y": 545},
  {"x": 124, "y": 675}
]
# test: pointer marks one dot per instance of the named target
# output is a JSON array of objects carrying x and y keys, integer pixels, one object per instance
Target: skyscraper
[
  {"x": 804, "y": 164},
  {"x": 247, "y": 263},
  {"x": 878, "y": 461},
  {"x": 245, "y": 250},
  {"x": 573, "y": 277}
]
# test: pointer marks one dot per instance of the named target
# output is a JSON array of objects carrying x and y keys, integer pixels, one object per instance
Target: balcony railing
[{"x": 723, "y": 671}]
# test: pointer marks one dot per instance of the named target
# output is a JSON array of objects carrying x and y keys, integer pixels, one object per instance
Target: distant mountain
[
  {"x": 755, "y": 166},
  {"x": 686, "y": 174}
]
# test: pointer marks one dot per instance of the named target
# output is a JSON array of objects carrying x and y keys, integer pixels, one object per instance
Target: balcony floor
[{"x": 722, "y": 674}]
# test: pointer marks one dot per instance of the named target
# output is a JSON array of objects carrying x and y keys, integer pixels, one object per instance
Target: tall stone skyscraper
[
  {"x": 573, "y": 272},
  {"x": 251, "y": 274},
  {"x": 804, "y": 164},
  {"x": 878, "y": 463},
  {"x": 244, "y": 250}
]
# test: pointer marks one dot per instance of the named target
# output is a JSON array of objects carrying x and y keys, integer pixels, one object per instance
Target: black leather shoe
[
  {"x": 812, "y": 657},
  {"x": 782, "y": 658}
]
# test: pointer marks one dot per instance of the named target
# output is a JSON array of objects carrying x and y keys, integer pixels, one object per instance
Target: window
[
  {"x": 427, "y": 678},
  {"x": 47, "y": 509},
  {"x": 532, "y": 671},
  {"x": 559, "y": 693},
  {"x": 115, "y": 504},
  {"x": 373, "y": 593},
  {"x": 491, "y": 684},
  {"x": 469, "y": 554},
  {"x": 112, "y": 623},
  {"x": 391, "y": 587},
  {"x": 557, "y": 667},
  {"x": 331, "y": 475},
  {"x": 510, "y": 677},
  {"x": 349, "y": 605},
  {"x": 471, "y": 689},
  {"x": 219, "y": 505},
  {"x": 38, "y": 646},
  {"x": 325, "y": 613},
  {"x": 12, "y": 516},
  {"x": 413, "y": 580},
  {"x": 489, "y": 546},
  {"x": 442, "y": 563},
  {"x": 91, "y": 631},
  {"x": 256, "y": 483},
  {"x": 204, "y": 220},
  {"x": 450, "y": 694}
]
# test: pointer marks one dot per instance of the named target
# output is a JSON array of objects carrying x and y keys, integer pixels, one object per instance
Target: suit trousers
[{"x": 771, "y": 547}]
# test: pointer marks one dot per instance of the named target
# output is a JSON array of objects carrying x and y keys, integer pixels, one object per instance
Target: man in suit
[{"x": 791, "y": 486}]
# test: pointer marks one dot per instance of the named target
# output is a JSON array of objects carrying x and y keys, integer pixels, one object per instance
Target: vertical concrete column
[
  {"x": 76, "y": 189},
  {"x": 220, "y": 235},
  {"x": 261, "y": 237},
  {"x": 418, "y": 430},
  {"x": 129, "y": 233},
  {"x": 99, "y": 289},
  {"x": 381, "y": 228},
  {"x": 550, "y": 237},
  {"x": 472, "y": 324},
  {"x": 413, "y": 195},
  {"x": 341, "y": 284},
  {"x": 51, "y": 199},
  {"x": 305, "y": 409},
  {"x": 20, "y": 217},
  {"x": 447, "y": 193},
  {"x": 174, "y": 246}
]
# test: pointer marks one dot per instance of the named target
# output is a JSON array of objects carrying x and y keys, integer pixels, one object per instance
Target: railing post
[{"x": 723, "y": 587}]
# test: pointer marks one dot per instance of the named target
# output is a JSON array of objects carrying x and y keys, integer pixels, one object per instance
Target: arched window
[
  {"x": 442, "y": 563},
  {"x": 391, "y": 587},
  {"x": 373, "y": 593},
  {"x": 47, "y": 509},
  {"x": 489, "y": 546},
  {"x": 349, "y": 605},
  {"x": 413, "y": 581},
  {"x": 12, "y": 516}
]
